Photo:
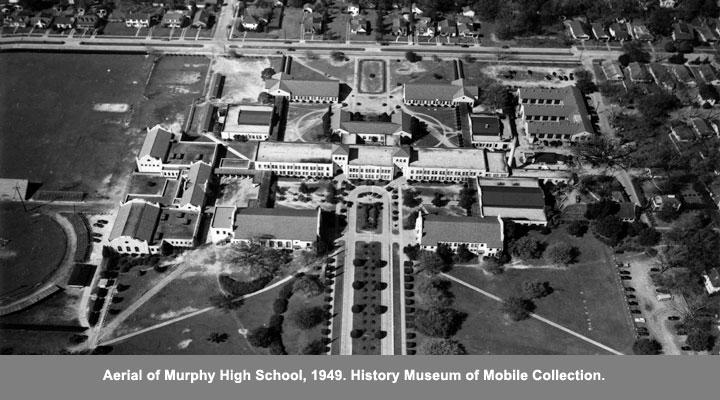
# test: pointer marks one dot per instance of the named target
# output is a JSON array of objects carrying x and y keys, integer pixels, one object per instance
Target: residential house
[
  {"x": 281, "y": 228},
  {"x": 706, "y": 73},
  {"x": 353, "y": 9},
  {"x": 668, "y": 3},
  {"x": 521, "y": 200},
  {"x": 447, "y": 27},
  {"x": 42, "y": 20},
  {"x": 468, "y": 11},
  {"x": 144, "y": 19},
  {"x": 599, "y": 32},
  {"x": 641, "y": 32},
  {"x": 577, "y": 30},
  {"x": 612, "y": 71},
  {"x": 304, "y": 91},
  {"x": 703, "y": 128},
  {"x": 705, "y": 34},
  {"x": 712, "y": 280},
  {"x": 481, "y": 236},
  {"x": 682, "y": 32},
  {"x": 557, "y": 114},
  {"x": 424, "y": 27},
  {"x": 619, "y": 32},
  {"x": 87, "y": 21},
  {"x": 638, "y": 73},
  {"x": 176, "y": 19},
  {"x": 313, "y": 23},
  {"x": 682, "y": 133},
  {"x": 359, "y": 25},
  {"x": 62, "y": 23},
  {"x": 663, "y": 78},
  {"x": 486, "y": 132},
  {"x": 440, "y": 94},
  {"x": 659, "y": 201},
  {"x": 201, "y": 20},
  {"x": 251, "y": 122},
  {"x": 308, "y": 8},
  {"x": 681, "y": 74}
]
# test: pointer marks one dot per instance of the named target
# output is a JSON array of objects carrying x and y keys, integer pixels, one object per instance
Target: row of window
[
  {"x": 371, "y": 170},
  {"x": 553, "y": 118},
  {"x": 554, "y": 102}
]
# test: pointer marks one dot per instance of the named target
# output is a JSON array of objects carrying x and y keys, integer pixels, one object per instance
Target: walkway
[
  {"x": 192, "y": 314},
  {"x": 536, "y": 316}
]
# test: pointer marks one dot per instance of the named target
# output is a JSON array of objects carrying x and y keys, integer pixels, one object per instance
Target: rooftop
[
  {"x": 485, "y": 125},
  {"x": 184, "y": 153},
  {"x": 511, "y": 193},
  {"x": 448, "y": 158},
  {"x": 156, "y": 144},
  {"x": 136, "y": 219},
  {"x": 442, "y": 228},
  {"x": 280, "y": 223},
  {"x": 176, "y": 224},
  {"x": 294, "y": 152},
  {"x": 223, "y": 217},
  {"x": 381, "y": 156},
  {"x": 249, "y": 115}
]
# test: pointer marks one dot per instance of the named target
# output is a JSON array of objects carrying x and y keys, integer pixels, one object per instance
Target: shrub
[
  {"x": 276, "y": 321},
  {"x": 316, "y": 347},
  {"x": 356, "y": 333},
  {"x": 577, "y": 228},
  {"x": 309, "y": 285},
  {"x": 436, "y": 293},
  {"x": 518, "y": 308},
  {"x": 535, "y": 289},
  {"x": 527, "y": 248},
  {"x": 561, "y": 253},
  {"x": 647, "y": 347}
]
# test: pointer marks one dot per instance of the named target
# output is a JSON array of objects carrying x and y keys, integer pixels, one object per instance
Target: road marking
[{"x": 536, "y": 316}]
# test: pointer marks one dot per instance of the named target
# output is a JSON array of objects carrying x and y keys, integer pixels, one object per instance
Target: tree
[
  {"x": 438, "y": 200},
  {"x": 412, "y": 251},
  {"x": 656, "y": 106},
  {"x": 601, "y": 209},
  {"x": 660, "y": 22},
  {"x": 442, "y": 347},
  {"x": 634, "y": 51},
  {"x": 338, "y": 56},
  {"x": 412, "y": 57},
  {"x": 446, "y": 253},
  {"x": 331, "y": 194},
  {"x": 561, "y": 253},
  {"x": 536, "y": 289},
  {"x": 647, "y": 236},
  {"x": 518, "y": 308},
  {"x": 610, "y": 229},
  {"x": 678, "y": 58},
  {"x": 644, "y": 347},
  {"x": 527, "y": 248},
  {"x": 267, "y": 73},
  {"x": 256, "y": 259},
  {"x": 436, "y": 292},
  {"x": 306, "y": 318},
  {"x": 584, "y": 82},
  {"x": 217, "y": 337},
  {"x": 667, "y": 213},
  {"x": 601, "y": 150},
  {"x": 264, "y": 98},
  {"x": 431, "y": 262},
  {"x": 699, "y": 340},
  {"x": 496, "y": 96},
  {"x": 304, "y": 189},
  {"x": 708, "y": 92},
  {"x": 410, "y": 198},
  {"x": 577, "y": 228},
  {"x": 439, "y": 322},
  {"x": 493, "y": 266},
  {"x": 467, "y": 198},
  {"x": 262, "y": 336},
  {"x": 464, "y": 254}
]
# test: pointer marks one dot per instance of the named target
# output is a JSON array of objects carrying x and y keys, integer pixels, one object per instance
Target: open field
[
  {"x": 425, "y": 71},
  {"x": 344, "y": 71},
  {"x": 19, "y": 341},
  {"x": 73, "y": 146},
  {"x": 305, "y": 123},
  {"x": 586, "y": 296},
  {"x": 242, "y": 77},
  {"x": 36, "y": 246}
]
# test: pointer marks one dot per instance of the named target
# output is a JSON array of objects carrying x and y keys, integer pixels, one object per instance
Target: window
[{"x": 137, "y": 250}]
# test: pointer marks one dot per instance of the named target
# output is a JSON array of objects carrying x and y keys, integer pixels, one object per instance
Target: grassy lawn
[
  {"x": 243, "y": 82},
  {"x": 367, "y": 321},
  {"x": 344, "y": 71},
  {"x": 14, "y": 341},
  {"x": 36, "y": 247},
  {"x": 304, "y": 122},
  {"x": 292, "y": 17},
  {"x": 372, "y": 76},
  {"x": 58, "y": 309},
  {"x": 425, "y": 71},
  {"x": 586, "y": 296},
  {"x": 288, "y": 194}
]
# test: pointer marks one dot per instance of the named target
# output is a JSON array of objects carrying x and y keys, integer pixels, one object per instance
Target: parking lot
[{"x": 654, "y": 310}]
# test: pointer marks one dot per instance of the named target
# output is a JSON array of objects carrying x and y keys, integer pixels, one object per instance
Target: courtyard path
[{"x": 536, "y": 316}]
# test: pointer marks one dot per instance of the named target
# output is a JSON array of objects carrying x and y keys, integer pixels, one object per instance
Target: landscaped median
[{"x": 367, "y": 309}]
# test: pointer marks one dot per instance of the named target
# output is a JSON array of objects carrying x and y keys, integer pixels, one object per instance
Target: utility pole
[{"x": 22, "y": 200}]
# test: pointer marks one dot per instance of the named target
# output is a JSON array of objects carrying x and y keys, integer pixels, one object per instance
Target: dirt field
[
  {"x": 52, "y": 133},
  {"x": 242, "y": 77}
]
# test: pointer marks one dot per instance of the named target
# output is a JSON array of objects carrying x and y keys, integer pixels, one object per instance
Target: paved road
[{"x": 536, "y": 316}]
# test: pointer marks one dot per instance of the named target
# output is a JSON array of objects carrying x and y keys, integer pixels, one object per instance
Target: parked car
[
  {"x": 635, "y": 312},
  {"x": 625, "y": 277},
  {"x": 653, "y": 269},
  {"x": 96, "y": 240},
  {"x": 662, "y": 290},
  {"x": 97, "y": 234},
  {"x": 102, "y": 221},
  {"x": 630, "y": 296},
  {"x": 624, "y": 272},
  {"x": 629, "y": 289},
  {"x": 674, "y": 318},
  {"x": 632, "y": 303},
  {"x": 98, "y": 225},
  {"x": 686, "y": 348}
]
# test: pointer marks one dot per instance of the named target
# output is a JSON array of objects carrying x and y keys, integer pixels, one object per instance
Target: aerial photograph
[{"x": 373, "y": 177}]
